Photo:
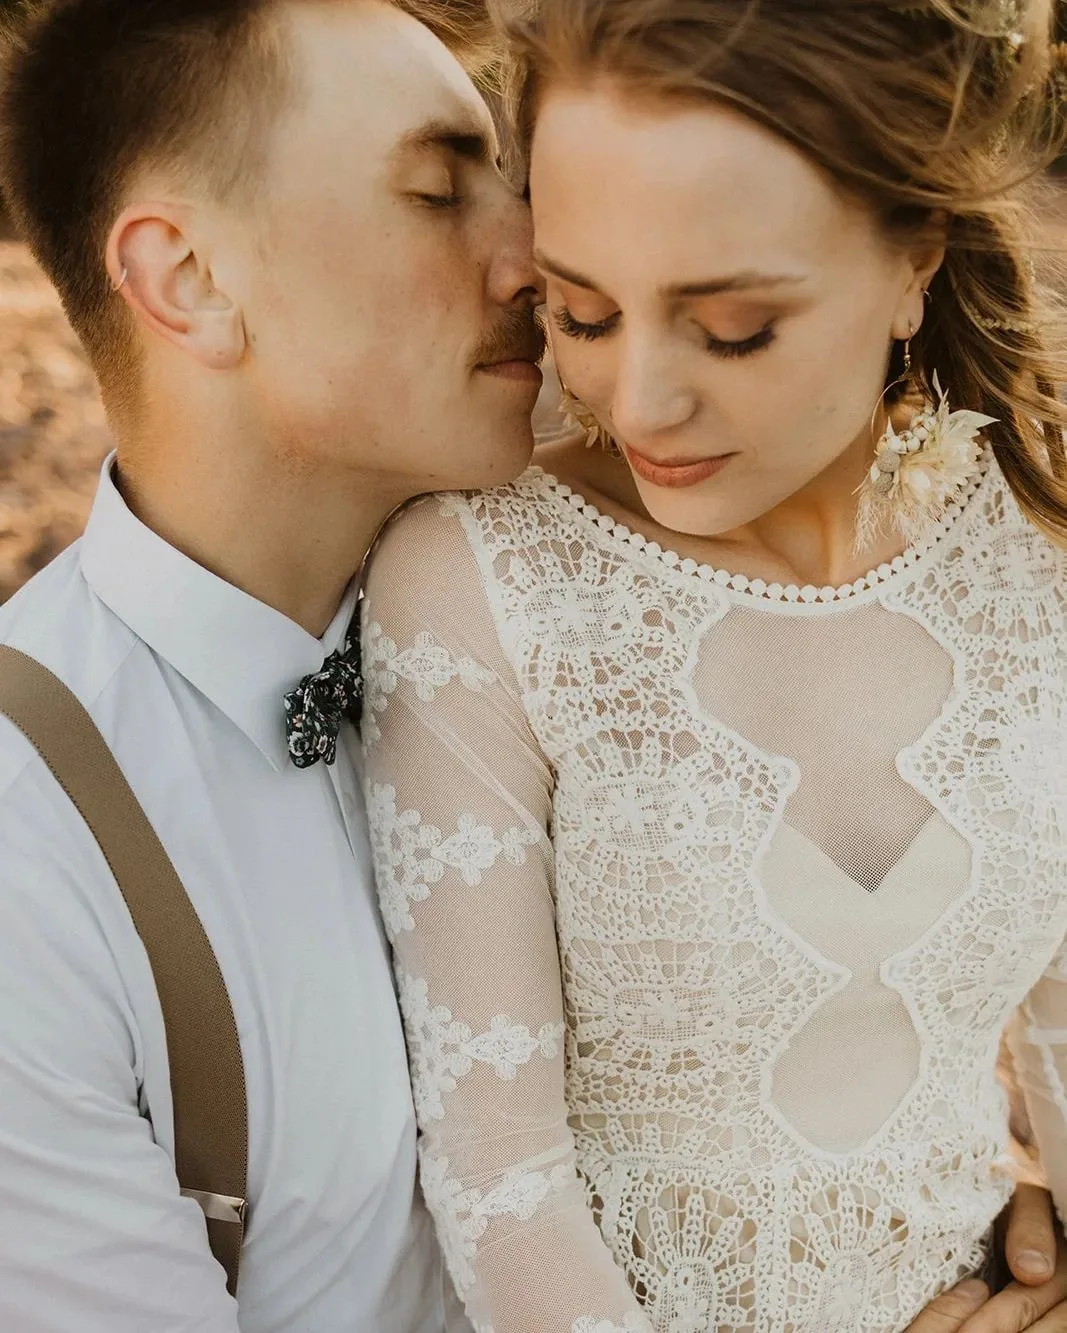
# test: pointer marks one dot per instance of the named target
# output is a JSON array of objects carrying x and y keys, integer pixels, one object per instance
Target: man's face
[{"x": 390, "y": 299}]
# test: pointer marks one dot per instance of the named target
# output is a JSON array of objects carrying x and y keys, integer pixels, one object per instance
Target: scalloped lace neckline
[{"x": 785, "y": 596}]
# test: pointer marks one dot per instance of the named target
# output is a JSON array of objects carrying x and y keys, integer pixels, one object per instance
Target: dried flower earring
[
  {"x": 578, "y": 415},
  {"x": 919, "y": 472}
]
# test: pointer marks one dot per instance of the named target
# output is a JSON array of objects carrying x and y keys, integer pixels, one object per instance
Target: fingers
[
  {"x": 951, "y": 1310},
  {"x": 1041, "y": 1309},
  {"x": 1054, "y": 1322},
  {"x": 1020, "y": 1309},
  {"x": 1030, "y": 1239}
]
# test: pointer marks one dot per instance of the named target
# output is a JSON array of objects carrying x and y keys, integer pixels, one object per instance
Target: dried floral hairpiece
[{"x": 993, "y": 18}]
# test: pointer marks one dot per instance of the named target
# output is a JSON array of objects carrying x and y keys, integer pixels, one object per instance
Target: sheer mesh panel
[
  {"x": 851, "y": 828},
  {"x": 842, "y": 696}
]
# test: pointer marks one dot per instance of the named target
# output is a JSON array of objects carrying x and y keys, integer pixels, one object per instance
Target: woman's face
[{"x": 725, "y": 312}]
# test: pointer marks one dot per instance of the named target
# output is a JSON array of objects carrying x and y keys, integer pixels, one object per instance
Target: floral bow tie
[{"x": 315, "y": 710}]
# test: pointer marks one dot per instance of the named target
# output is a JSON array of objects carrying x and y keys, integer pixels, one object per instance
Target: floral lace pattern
[
  {"x": 427, "y": 664},
  {"x": 631, "y": 1324},
  {"x": 411, "y": 855},
  {"x": 443, "y": 1050},
  {"x": 469, "y": 1211},
  {"x": 686, "y": 982}
]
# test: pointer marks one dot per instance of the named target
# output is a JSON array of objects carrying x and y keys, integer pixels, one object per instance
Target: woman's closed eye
[
  {"x": 731, "y": 349},
  {"x": 452, "y": 200},
  {"x": 726, "y": 348},
  {"x": 575, "y": 328}
]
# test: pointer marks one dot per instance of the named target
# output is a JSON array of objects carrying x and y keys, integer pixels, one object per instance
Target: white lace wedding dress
[{"x": 710, "y": 903}]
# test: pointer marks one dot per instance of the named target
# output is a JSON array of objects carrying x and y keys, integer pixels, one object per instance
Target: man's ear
[{"x": 165, "y": 278}]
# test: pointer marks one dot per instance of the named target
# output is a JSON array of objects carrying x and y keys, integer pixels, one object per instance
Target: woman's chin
[{"x": 698, "y": 511}]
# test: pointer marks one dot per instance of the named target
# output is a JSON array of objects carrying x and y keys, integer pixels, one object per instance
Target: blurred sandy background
[{"x": 52, "y": 429}]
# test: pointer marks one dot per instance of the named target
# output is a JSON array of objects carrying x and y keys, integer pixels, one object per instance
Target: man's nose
[{"x": 514, "y": 280}]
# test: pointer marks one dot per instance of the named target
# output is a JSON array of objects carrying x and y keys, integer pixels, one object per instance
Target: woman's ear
[
  {"x": 165, "y": 279},
  {"x": 924, "y": 260}
]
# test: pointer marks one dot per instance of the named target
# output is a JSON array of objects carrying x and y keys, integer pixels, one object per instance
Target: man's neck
[{"x": 290, "y": 534}]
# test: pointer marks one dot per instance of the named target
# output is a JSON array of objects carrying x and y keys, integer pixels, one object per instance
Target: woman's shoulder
[
  {"x": 1024, "y": 556},
  {"x": 1005, "y": 570},
  {"x": 435, "y": 526},
  {"x": 439, "y": 540}
]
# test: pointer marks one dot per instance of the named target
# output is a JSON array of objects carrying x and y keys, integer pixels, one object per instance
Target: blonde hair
[{"x": 467, "y": 28}]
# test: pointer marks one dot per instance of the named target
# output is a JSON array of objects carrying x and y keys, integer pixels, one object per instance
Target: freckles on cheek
[
  {"x": 421, "y": 312},
  {"x": 587, "y": 376},
  {"x": 838, "y": 415}
]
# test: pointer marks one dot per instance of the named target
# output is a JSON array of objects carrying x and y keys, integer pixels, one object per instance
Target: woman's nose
[{"x": 651, "y": 397}]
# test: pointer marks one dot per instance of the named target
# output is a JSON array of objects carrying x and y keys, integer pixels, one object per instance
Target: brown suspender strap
[{"x": 206, "y": 1071}]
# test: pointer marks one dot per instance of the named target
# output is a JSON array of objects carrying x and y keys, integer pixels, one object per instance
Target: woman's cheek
[{"x": 585, "y": 370}]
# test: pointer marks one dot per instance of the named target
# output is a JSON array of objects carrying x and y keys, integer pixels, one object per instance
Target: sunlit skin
[
  {"x": 728, "y": 314},
  {"x": 315, "y": 354},
  {"x": 378, "y": 291}
]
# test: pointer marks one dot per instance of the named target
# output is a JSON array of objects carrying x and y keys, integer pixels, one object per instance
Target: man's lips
[
  {"x": 678, "y": 474},
  {"x": 523, "y": 369},
  {"x": 514, "y": 349}
]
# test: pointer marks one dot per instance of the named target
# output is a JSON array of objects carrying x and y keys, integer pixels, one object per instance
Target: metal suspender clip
[{"x": 219, "y": 1207}]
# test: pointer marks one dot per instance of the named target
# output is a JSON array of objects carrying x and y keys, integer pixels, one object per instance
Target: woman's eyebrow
[{"x": 746, "y": 280}]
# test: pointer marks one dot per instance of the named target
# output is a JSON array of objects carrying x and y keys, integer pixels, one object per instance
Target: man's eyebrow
[
  {"x": 466, "y": 138},
  {"x": 735, "y": 282}
]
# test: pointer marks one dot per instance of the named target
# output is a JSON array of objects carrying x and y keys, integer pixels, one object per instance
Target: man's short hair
[{"x": 96, "y": 91}]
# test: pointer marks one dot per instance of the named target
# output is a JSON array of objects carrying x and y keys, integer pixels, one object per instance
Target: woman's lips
[{"x": 675, "y": 475}]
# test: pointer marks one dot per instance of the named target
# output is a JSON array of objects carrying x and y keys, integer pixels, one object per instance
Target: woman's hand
[{"x": 1036, "y": 1254}]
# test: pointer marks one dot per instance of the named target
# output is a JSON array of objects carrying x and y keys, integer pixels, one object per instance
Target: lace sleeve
[
  {"x": 1037, "y": 1039},
  {"x": 459, "y": 796}
]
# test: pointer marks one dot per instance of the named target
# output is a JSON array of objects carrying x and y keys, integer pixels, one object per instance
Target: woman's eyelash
[
  {"x": 574, "y": 328},
  {"x": 720, "y": 347},
  {"x": 730, "y": 351}
]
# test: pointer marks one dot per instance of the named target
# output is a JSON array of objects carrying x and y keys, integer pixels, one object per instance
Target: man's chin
[{"x": 506, "y": 456}]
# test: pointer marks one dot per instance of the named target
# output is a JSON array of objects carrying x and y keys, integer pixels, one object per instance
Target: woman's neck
[{"x": 808, "y": 539}]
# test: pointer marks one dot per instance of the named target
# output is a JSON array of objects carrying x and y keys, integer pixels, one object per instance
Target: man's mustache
[{"x": 518, "y": 336}]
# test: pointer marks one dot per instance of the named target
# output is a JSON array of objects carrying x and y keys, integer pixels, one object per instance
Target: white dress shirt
[{"x": 185, "y": 677}]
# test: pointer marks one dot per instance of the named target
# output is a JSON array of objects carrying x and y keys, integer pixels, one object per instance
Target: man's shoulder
[
  {"x": 55, "y": 886},
  {"x": 57, "y": 620}
]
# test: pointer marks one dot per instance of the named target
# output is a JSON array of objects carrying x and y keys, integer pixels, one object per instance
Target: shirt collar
[{"x": 240, "y": 653}]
